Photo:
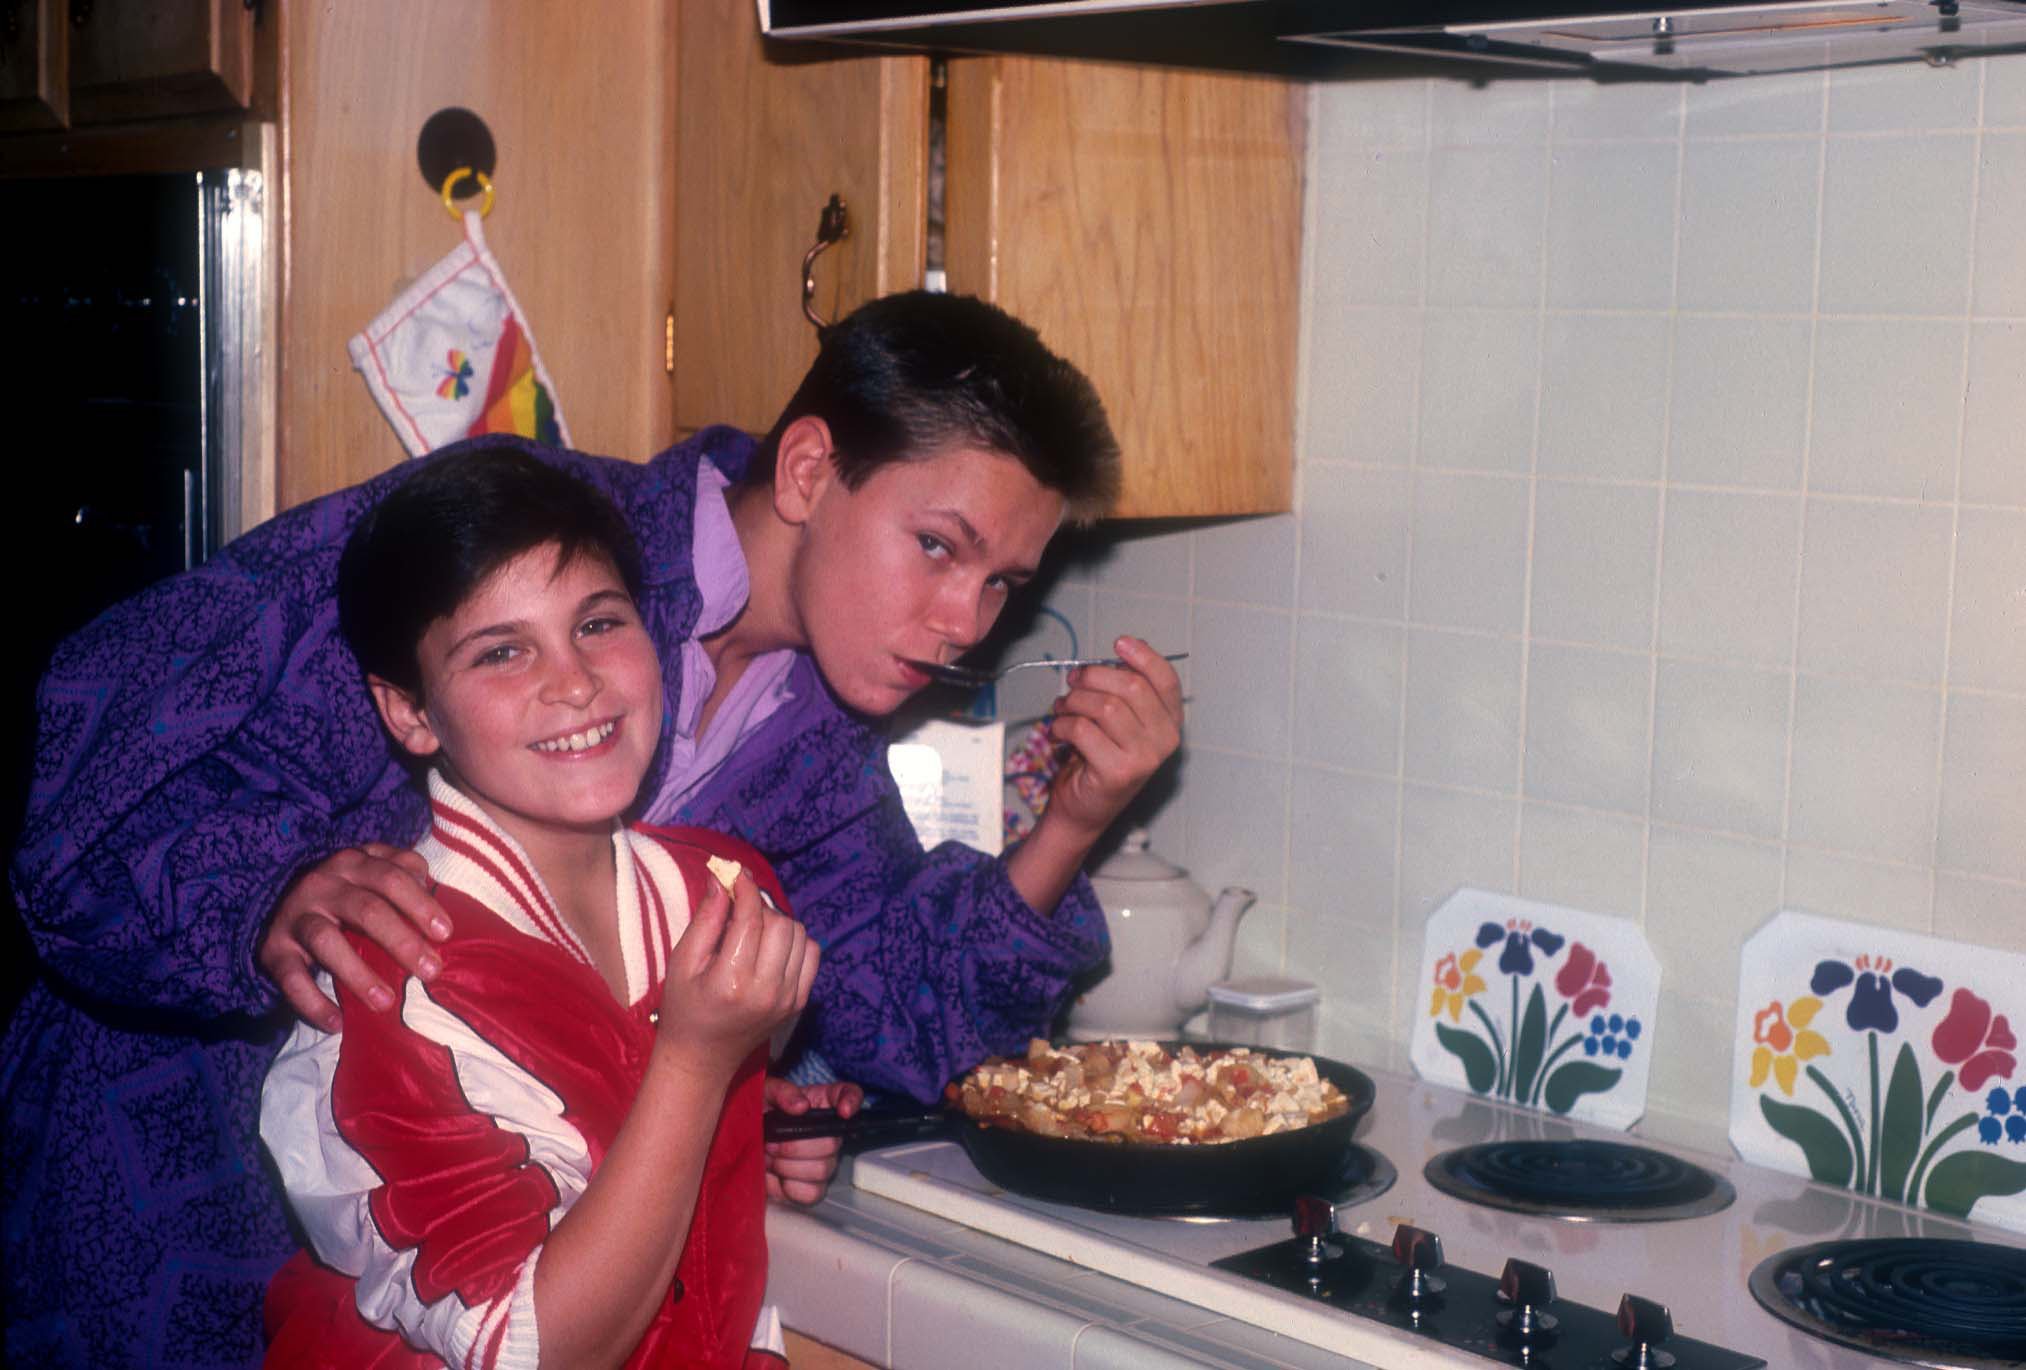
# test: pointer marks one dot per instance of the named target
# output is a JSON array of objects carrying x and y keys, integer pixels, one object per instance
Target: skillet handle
[{"x": 866, "y": 1126}]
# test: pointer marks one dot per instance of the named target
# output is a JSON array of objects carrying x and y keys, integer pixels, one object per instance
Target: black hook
[{"x": 453, "y": 138}]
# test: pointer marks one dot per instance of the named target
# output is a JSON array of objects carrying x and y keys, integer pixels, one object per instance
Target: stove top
[
  {"x": 1363, "y": 1176},
  {"x": 1695, "y": 1268},
  {"x": 1956, "y": 1305},
  {"x": 1580, "y": 1180}
]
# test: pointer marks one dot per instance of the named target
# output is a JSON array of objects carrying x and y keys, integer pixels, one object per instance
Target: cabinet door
[
  {"x": 1148, "y": 223},
  {"x": 580, "y": 229},
  {"x": 145, "y": 59},
  {"x": 34, "y": 78},
  {"x": 762, "y": 140}
]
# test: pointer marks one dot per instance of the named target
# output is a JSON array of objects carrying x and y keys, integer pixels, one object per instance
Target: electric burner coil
[
  {"x": 1579, "y": 1180},
  {"x": 1930, "y": 1301}
]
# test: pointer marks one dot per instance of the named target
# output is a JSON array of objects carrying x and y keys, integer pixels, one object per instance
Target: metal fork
[{"x": 972, "y": 676}]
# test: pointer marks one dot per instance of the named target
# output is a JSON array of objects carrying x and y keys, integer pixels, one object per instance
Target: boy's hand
[
  {"x": 801, "y": 1170},
  {"x": 377, "y": 890},
  {"x": 739, "y": 969},
  {"x": 1124, "y": 722}
]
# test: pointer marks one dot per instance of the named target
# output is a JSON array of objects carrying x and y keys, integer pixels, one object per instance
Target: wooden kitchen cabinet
[
  {"x": 66, "y": 63},
  {"x": 1146, "y": 221},
  {"x": 34, "y": 65},
  {"x": 760, "y": 146},
  {"x": 149, "y": 59},
  {"x": 579, "y": 113}
]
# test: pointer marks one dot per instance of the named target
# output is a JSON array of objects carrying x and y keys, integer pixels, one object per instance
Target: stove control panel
[{"x": 1514, "y": 1319}]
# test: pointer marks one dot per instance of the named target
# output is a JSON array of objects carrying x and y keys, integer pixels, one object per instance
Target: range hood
[{"x": 1695, "y": 40}]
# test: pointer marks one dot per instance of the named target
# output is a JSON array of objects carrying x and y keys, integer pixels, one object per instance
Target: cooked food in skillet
[{"x": 1140, "y": 1092}]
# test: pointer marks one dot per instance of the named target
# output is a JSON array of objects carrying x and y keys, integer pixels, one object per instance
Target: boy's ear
[
  {"x": 404, "y": 716},
  {"x": 805, "y": 465}
]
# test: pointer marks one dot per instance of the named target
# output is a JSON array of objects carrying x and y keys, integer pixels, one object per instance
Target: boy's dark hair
[
  {"x": 907, "y": 375},
  {"x": 423, "y": 550}
]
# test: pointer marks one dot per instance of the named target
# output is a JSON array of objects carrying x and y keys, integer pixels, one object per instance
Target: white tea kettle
[{"x": 1169, "y": 942}]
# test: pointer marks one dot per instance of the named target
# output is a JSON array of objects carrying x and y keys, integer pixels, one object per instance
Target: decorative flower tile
[
  {"x": 1538, "y": 1005},
  {"x": 1883, "y": 1062}
]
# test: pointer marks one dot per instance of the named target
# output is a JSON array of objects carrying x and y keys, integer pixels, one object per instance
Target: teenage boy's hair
[
  {"x": 908, "y": 375},
  {"x": 426, "y": 547}
]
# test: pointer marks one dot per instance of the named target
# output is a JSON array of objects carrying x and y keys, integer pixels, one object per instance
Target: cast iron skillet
[{"x": 1256, "y": 1175}]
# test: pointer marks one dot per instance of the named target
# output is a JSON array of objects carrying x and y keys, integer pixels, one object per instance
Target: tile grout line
[
  {"x": 1533, "y": 479},
  {"x": 1660, "y": 511},
  {"x": 1941, "y": 726},
  {"x": 1801, "y": 539}
]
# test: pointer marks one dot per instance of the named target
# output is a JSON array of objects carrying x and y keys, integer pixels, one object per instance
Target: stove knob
[
  {"x": 1421, "y": 1253},
  {"x": 1645, "y": 1324},
  {"x": 1315, "y": 1221},
  {"x": 1529, "y": 1289}
]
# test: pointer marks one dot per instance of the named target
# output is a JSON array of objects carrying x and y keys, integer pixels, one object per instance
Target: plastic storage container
[{"x": 1264, "y": 1011}]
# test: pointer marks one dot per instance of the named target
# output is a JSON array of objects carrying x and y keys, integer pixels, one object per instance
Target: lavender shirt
[{"x": 201, "y": 743}]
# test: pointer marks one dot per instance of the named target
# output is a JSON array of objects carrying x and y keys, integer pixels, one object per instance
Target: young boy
[{"x": 551, "y": 1149}]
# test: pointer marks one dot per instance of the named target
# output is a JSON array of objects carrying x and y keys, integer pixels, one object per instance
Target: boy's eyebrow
[
  {"x": 512, "y": 626},
  {"x": 977, "y": 541}
]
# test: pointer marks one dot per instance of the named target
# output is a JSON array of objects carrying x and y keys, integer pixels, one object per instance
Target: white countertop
[{"x": 896, "y": 1286}]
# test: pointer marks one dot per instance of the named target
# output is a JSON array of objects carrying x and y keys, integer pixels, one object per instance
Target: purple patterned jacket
[{"x": 204, "y": 741}]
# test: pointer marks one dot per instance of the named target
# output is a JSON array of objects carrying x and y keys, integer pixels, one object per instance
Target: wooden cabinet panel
[
  {"x": 578, "y": 110},
  {"x": 143, "y": 59},
  {"x": 760, "y": 146},
  {"x": 34, "y": 65},
  {"x": 1148, "y": 223}
]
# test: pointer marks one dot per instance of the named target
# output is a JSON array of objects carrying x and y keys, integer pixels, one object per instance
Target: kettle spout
[{"x": 1208, "y": 958}]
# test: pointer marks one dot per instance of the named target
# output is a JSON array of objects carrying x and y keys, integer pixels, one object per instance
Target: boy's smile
[{"x": 542, "y": 694}]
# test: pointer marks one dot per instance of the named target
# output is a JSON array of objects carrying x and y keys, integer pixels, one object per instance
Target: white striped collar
[{"x": 468, "y": 851}]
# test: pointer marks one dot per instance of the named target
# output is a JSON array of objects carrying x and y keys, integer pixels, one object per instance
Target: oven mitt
[{"x": 452, "y": 357}]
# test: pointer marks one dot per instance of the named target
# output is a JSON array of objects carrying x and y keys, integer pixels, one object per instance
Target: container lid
[
  {"x": 1264, "y": 994},
  {"x": 1133, "y": 861}
]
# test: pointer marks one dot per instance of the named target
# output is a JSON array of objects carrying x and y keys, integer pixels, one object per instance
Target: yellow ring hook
[{"x": 484, "y": 186}]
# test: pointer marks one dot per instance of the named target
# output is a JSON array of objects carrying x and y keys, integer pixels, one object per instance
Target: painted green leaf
[
  {"x": 1528, "y": 1046},
  {"x": 1899, "y": 1136},
  {"x": 1572, "y": 1081},
  {"x": 1958, "y": 1181},
  {"x": 1478, "y": 1067},
  {"x": 1827, "y": 1152}
]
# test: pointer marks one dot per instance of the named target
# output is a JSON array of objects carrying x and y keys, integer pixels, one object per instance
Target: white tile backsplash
[
  {"x": 1604, "y": 395},
  {"x": 1363, "y": 365},
  {"x": 1249, "y": 561},
  {"x": 1896, "y": 98},
  {"x": 1493, "y": 358},
  {"x": 1727, "y": 576},
  {"x": 1240, "y": 661},
  {"x": 1875, "y": 589},
  {"x": 1864, "y": 767},
  {"x": 1738, "y": 412},
  {"x": 1581, "y": 858},
  {"x": 1887, "y": 408},
  {"x": 1588, "y": 714},
  {"x": 1486, "y": 223},
  {"x": 1748, "y": 356},
  {"x": 1720, "y": 747},
  {"x": 1470, "y": 552},
  {"x": 1347, "y": 693},
  {"x": 1353, "y": 539},
  {"x": 1593, "y": 563},
  {"x": 2000, "y": 286},
  {"x": 1983, "y": 821},
  {"x": 1748, "y": 224},
  {"x": 1993, "y": 469},
  {"x": 1611, "y": 212},
  {"x": 1463, "y": 709},
  {"x": 1760, "y": 107},
  {"x": 1859, "y": 891},
  {"x": 1895, "y": 224},
  {"x": 1987, "y": 636}
]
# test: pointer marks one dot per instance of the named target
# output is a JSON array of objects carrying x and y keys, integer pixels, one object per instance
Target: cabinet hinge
[{"x": 668, "y": 343}]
